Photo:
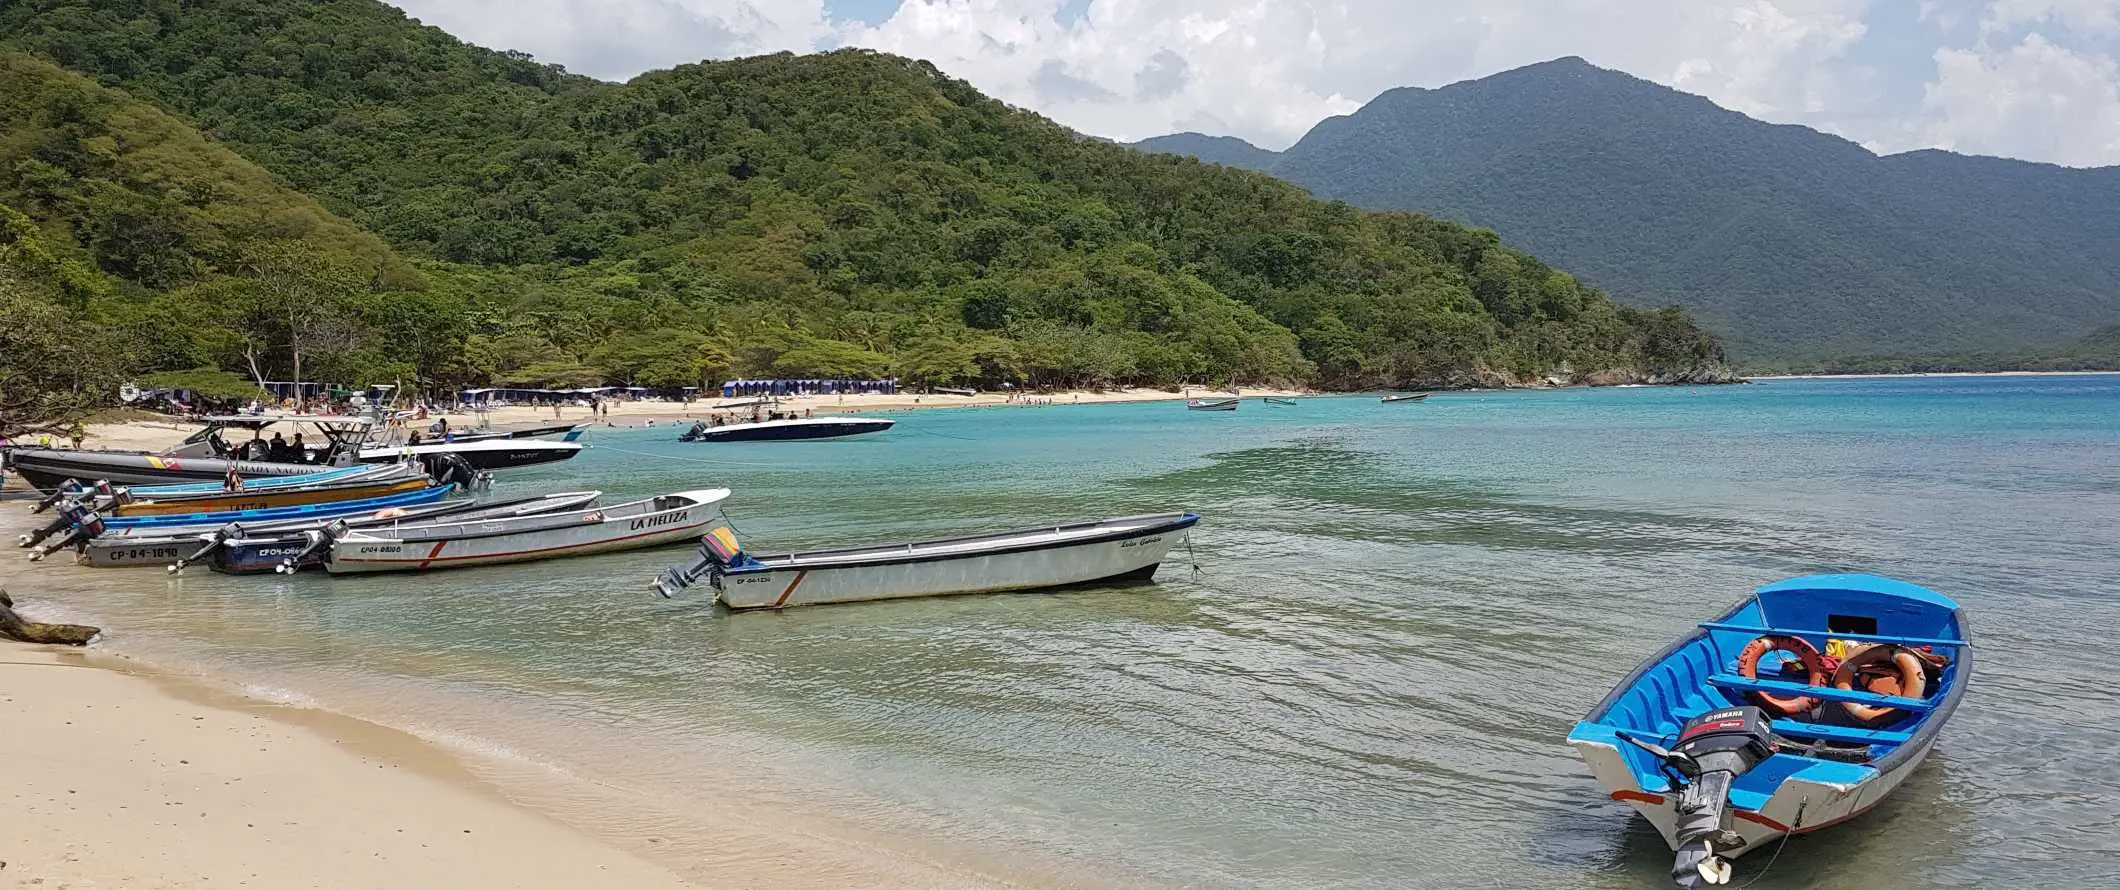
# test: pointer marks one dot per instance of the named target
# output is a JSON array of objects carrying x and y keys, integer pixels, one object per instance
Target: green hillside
[
  {"x": 844, "y": 213},
  {"x": 1798, "y": 245}
]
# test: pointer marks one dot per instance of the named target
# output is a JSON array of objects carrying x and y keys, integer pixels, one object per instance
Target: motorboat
[
  {"x": 664, "y": 519},
  {"x": 1103, "y": 552},
  {"x": 1277, "y": 400},
  {"x": 480, "y": 454},
  {"x": 239, "y": 551},
  {"x": 147, "y": 545},
  {"x": 328, "y": 441},
  {"x": 1407, "y": 397},
  {"x": 1800, "y": 708},
  {"x": 1212, "y": 404},
  {"x": 395, "y": 479},
  {"x": 786, "y": 429},
  {"x": 82, "y": 523}
]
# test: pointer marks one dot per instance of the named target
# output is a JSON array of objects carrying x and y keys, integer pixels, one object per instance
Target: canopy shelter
[{"x": 806, "y": 386}]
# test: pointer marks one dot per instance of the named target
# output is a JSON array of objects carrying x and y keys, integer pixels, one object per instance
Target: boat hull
[
  {"x": 791, "y": 430},
  {"x": 265, "y": 554},
  {"x": 1131, "y": 557},
  {"x": 1218, "y": 405},
  {"x": 563, "y": 536},
  {"x": 426, "y": 495},
  {"x": 48, "y": 468},
  {"x": 484, "y": 454},
  {"x": 1797, "y": 807},
  {"x": 271, "y": 499}
]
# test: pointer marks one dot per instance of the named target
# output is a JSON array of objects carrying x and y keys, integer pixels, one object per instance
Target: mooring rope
[{"x": 1778, "y": 847}]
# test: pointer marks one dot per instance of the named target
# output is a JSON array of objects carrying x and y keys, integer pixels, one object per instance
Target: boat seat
[
  {"x": 1825, "y": 693},
  {"x": 1850, "y": 735}
]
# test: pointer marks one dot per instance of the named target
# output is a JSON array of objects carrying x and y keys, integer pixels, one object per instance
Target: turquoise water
[{"x": 1398, "y": 613}]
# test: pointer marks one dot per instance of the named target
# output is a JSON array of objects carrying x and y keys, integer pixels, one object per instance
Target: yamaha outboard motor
[
  {"x": 315, "y": 543},
  {"x": 1713, "y": 750},
  {"x": 450, "y": 469},
  {"x": 71, "y": 513},
  {"x": 70, "y": 488},
  {"x": 231, "y": 532},
  {"x": 86, "y": 524}
]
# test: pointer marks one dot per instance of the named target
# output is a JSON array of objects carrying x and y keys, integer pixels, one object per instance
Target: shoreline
[{"x": 148, "y": 778}]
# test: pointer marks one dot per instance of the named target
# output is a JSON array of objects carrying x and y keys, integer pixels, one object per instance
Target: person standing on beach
[{"x": 76, "y": 433}]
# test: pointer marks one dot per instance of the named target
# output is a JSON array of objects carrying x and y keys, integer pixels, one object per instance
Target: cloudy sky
[{"x": 2034, "y": 79}]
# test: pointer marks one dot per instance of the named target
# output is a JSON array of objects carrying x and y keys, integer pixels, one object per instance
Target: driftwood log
[{"x": 14, "y": 628}]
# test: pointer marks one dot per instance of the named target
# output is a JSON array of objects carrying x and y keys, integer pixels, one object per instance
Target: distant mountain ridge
[{"x": 1797, "y": 244}]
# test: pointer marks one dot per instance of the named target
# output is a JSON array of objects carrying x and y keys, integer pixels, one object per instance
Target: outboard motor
[
  {"x": 71, "y": 488},
  {"x": 86, "y": 524},
  {"x": 320, "y": 540},
  {"x": 71, "y": 513},
  {"x": 230, "y": 532},
  {"x": 718, "y": 552},
  {"x": 450, "y": 469},
  {"x": 1713, "y": 750}
]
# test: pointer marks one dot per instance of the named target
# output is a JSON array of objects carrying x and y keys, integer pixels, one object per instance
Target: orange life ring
[
  {"x": 1885, "y": 670},
  {"x": 1814, "y": 669}
]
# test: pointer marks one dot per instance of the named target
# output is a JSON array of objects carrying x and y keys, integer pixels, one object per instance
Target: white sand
[
  {"x": 121, "y": 781},
  {"x": 158, "y": 435}
]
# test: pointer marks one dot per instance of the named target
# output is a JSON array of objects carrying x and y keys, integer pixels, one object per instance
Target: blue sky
[{"x": 2035, "y": 79}]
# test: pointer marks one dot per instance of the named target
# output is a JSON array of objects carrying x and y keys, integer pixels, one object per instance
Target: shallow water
[{"x": 1399, "y": 612}]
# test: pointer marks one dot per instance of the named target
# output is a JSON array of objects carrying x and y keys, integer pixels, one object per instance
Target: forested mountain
[
  {"x": 1797, "y": 244},
  {"x": 1229, "y": 151},
  {"x": 836, "y": 214}
]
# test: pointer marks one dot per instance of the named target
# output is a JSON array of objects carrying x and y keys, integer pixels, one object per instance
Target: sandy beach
[
  {"x": 158, "y": 434},
  {"x": 121, "y": 779}
]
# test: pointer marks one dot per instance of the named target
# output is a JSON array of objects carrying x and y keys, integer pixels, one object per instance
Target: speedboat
[
  {"x": 1106, "y": 551},
  {"x": 664, "y": 519},
  {"x": 787, "y": 429},
  {"x": 1409, "y": 397},
  {"x": 1799, "y": 709},
  {"x": 1211, "y": 404}
]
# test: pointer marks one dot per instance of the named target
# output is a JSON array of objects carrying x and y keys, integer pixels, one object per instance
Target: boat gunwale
[
  {"x": 363, "y": 535},
  {"x": 1917, "y": 743},
  {"x": 268, "y": 535},
  {"x": 813, "y": 560}
]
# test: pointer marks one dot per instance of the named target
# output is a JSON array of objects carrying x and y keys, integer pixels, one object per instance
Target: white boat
[
  {"x": 664, "y": 519},
  {"x": 1108, "y": 551},
  {"x": 1211, "y": 404}
]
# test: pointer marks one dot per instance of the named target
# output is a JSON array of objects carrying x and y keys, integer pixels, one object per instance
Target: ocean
[{"x": 1358, "y": 672}]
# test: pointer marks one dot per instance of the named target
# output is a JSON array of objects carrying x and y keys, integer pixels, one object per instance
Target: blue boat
[
  {"x": 265, "y": 484},
  {"x": 426, "y": 495},
  {"x": 1801, "y": 708}
]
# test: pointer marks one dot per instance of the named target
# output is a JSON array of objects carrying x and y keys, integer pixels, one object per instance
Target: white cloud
[
  {"x": 2088, "y": 16},
  {"x": 1267, "y": 70},
  {"x": 2034, "y": 100},
  {"x": 616, "y": 39}
]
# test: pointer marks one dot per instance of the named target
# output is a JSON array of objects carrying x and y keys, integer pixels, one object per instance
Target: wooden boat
[
  {"x": 1408, "y": 397},
  {"x": 664, "y": 519},
  {"x": 238, "y": 551},
  {"x": 1108, "y": 551},
  {"x": 786, "y": 430},
  {"x": 1211, "y": 404},
  {"x": 74, "y": 515},
  {"x": 1277, "y": 400},
  {"x": 399, "y": 480},
  {"x": 1724, "y": 751}
]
